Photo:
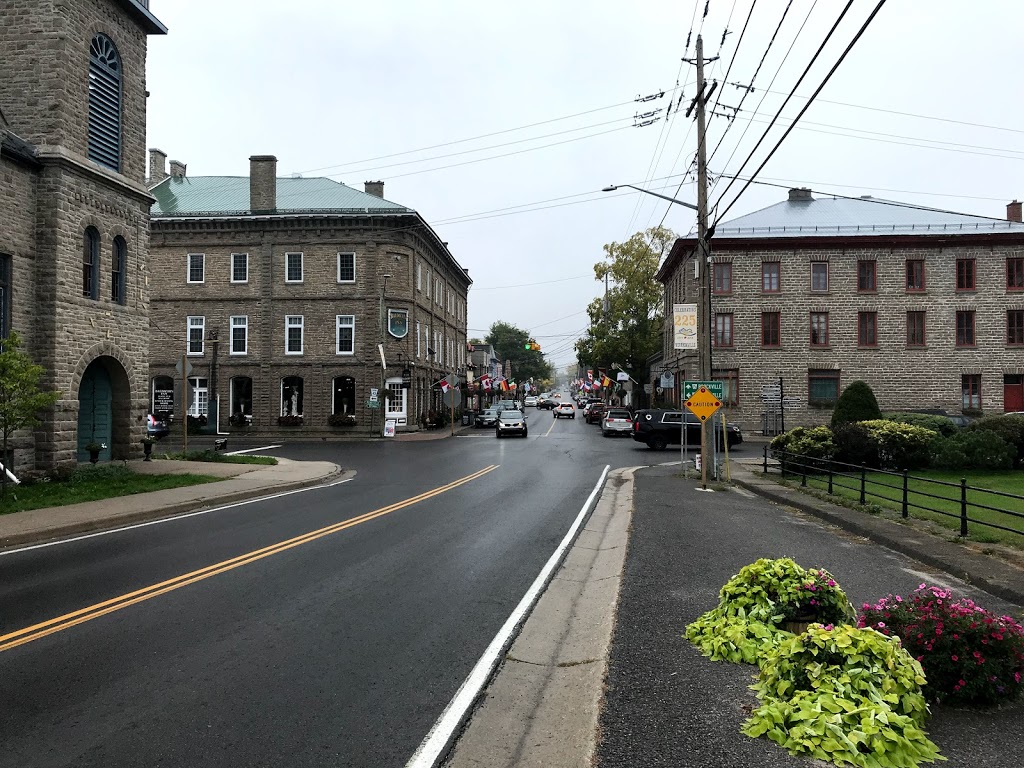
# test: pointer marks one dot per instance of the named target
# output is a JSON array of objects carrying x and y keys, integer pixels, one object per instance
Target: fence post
[
  {"x": 906, "y": 509},
  {"x": 963, "y": 507},
  {"x": 782, "y": 463},
  {"x": 830, "y": 478},
  {"x": 766, "y": 458},
  {"x": 803, "y": 474},
  {"x": 863, "y": 482}
]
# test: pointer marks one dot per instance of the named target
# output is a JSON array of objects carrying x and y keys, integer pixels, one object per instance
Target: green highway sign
[
  {"x": 372, "y": 404},
  {"x": 716, "y": 388}
]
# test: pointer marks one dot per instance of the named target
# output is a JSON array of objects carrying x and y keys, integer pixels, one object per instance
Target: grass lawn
[
  {"x": 887, "y": 491},
  {"x": 92, "y": 483}
]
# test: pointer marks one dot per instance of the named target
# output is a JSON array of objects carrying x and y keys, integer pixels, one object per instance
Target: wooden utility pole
[{"x": 704, "y": 310}]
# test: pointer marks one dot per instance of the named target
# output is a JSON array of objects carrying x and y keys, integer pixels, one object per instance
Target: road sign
[
  {"x": 716, "y": 388},
  {"x": 452, "y": 398},
  {"x": 703, "y": 404},
  {"x": 372, "y": 404},
  {"x": 188, "y": 367},
  {"x": 771, "y": 390}
]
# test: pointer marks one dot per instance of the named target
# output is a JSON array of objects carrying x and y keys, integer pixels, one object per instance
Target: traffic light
[{"x": 531, "y": 346}]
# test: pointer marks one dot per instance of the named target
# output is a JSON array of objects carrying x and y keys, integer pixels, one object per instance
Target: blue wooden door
[{"x": 95, "y": 416}]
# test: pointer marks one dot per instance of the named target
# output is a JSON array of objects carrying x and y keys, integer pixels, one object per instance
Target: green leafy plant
[
  {"x": 979, "y": 449},
  {"x": 933, "y": 421},
  {"x": 855, "y": 444},
  {"x": 856, "y": 403},
  {"x": 341, "y": 420},
  {"x": 755, "y": 603},
  {"x": 969, "y": 654},
  {"x": 845, "y": 694},
  {"x": 900, "y": 446},
  {"x": 811, "y": 443},
  {"x": 1010, "y": 428}
]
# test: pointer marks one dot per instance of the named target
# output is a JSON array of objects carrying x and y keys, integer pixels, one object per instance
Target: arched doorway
[{"x": 95, "y": 411}]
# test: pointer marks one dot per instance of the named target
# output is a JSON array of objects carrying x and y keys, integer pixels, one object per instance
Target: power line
[
  {"x": 527, "y": 285},
  {"x": 814, "y": 58}
]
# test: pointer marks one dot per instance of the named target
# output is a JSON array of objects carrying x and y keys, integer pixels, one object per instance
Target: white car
[
  {"x": 564, "y": 409},
  {"x": 530, "y": 401}
]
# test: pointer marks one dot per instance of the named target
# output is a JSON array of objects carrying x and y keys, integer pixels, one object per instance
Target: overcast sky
[{"x": 529, "y": 109}]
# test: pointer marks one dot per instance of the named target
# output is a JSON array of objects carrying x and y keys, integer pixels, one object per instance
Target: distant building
[
  {"x": 74, "y": 233},
  {"x": 924, "y": 305},
  {"x": 277, "y": 293}
]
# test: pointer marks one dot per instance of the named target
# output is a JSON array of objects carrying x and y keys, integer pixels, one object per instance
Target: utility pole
[{"x": 703, "y": 257}]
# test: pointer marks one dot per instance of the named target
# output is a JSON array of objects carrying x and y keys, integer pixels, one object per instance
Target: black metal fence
[{"x": 895, "y": 489}]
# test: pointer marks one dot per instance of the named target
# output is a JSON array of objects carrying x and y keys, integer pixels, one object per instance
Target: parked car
[
  {"x": 616, "y": 421},
  {"x": 547, "y": 404},
  {"x": 589, "y": 403},
  {"x": 510, "y": 422},
  {"x": 156, "y": 428},
  {"x": 487, "y": 418},
  {"x": 564, "y": 409},
  {"x": 658, "y": 429},
  {"x": 503, "y": 405},
  {"x": 594, "y": 413},
  {"x": 530, "y": 401}
]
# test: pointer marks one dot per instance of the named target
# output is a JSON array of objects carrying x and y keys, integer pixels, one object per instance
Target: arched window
[
  {"x": 105, "y": 103},
  {"x": 91, "y": 263},
  {"x": 118, "y": 268}
]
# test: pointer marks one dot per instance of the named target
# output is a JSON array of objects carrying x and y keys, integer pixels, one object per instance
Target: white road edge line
[
  {"x": 171, "y": 519},
  {"x": 250, "y": 450},
  {"x": 441, "y": 736}
]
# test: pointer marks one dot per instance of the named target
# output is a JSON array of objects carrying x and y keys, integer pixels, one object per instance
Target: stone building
[
  {"x": 282, "y": 294},
  {"x": 74, "y": 230},
  {"x": 925, "y": 305}
]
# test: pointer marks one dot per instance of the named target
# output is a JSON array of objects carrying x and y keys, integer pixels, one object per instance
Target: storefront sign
[
  {"x": 684, "y": 323},
  {"x": 406, "y": 378}
]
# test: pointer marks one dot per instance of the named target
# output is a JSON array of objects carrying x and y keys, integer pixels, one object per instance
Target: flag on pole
[
  {"x": 445, "y": 386},
  {"x": 606, "y": 382},
  {"x": 590, "y": 375},
  {"x": 485, "y": 382},
  {"x": 504, "y": 385}
]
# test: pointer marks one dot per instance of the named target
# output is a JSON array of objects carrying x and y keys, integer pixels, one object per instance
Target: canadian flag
[
  {"x": 443, "y": 383},
  {"x": 485, "y": 382}
]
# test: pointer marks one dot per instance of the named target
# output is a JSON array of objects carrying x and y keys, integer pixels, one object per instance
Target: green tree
[
  {"x": 629, "y": 330},
  {"x": 510, "y": 343},
  {"x": 21, "y": 400},
  {"x": 857, "y": 403}
]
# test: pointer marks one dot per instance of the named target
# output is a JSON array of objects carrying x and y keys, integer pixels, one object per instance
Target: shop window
[
  {"x": 344, "y": 399},
  {"x": 241, "y": 401},
  {"x": 291, "y": 396}
]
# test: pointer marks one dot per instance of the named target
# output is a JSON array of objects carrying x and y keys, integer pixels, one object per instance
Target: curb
[
  {"x": 164, "y": 512},
  {"x": 991, "y": 574}
]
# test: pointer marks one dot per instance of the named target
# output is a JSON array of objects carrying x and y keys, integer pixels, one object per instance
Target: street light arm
[{"x": 613, "y": 187}]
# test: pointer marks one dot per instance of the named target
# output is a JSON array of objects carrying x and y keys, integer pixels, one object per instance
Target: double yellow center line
[{"x": 68, "y": 620}]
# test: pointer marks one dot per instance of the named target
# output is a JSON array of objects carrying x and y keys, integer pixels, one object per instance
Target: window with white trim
[
  {"x": 196, "y": 269},
  {"x": 196, "y": 334},
  {"x": 430, "y": 279},
  {"x": 240, "y": 335},
  {"x": 346, "y": 334},
  {"x": 418, "y": 353},
  {"x": 293, "y": 334},
  {"x": 239, "y": 267},
  {"x": 419, "y": 277},
  {"x": 293, "y": 267},
  {"x": 346, "y": 267}
]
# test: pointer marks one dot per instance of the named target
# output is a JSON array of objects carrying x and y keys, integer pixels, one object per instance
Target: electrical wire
[{"x": 814, "y": 58}]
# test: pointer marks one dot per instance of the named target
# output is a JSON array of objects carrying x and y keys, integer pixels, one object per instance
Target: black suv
[{"x": 660, "y": 429}]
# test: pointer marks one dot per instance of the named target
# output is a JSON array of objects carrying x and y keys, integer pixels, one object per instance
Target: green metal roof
[{"x": 229, "y": 196}]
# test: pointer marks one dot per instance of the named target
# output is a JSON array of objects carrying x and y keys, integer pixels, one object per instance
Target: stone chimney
[
  {"x": 375, "y": 188},
  {"x": 1013, "y": 211},
  {"x": 262, "y": 183},
  {"x": 800, "y": 195},
  {"x": 157, "y": 166},
  {"x": 177, "y": 169}
]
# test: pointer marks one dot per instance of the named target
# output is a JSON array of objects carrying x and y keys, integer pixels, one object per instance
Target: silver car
[
  {"x": 510, "y": 423},
  {"x": 616, "y": 421}
]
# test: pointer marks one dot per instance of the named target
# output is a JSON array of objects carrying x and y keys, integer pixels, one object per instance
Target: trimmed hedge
[
  {"x": 856, "y": 403},
  {"x": 978, "y": 449},
  {"x": 1009, "y": 428}
]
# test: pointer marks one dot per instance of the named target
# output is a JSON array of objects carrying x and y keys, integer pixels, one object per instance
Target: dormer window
[{"x": 105, "y": 103}]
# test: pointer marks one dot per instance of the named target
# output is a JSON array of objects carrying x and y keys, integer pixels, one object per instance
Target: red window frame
[
  {"x": 819, "y": 264},
  {"x": 867, "y": 329},
  {"x": 966, "y": 274},
  {"x": 818, "y": 316},
  {"x": 723, "y": 329},
  {"x": 771, "y": 269},
  {"x": 916, "y": 329},
  {"x": 722, "y": 274},
  {"x": 1015, "y": 273},
  {"x": 965, "y": 328},
  {"x": 1015, "y": 328},
  {"x": 730, "y": 378},
  {"x": 970, "y": 391},
  {"x": 771, "y": 329},
  {"x": 867, "y": 276},
  {"x": 915, "y": 276}
]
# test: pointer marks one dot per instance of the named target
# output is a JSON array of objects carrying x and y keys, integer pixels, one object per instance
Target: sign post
[
  {"x": 703, "y": 398},
  {"x": 452, "y": 398},
  {"x": 184, "y": 367}
]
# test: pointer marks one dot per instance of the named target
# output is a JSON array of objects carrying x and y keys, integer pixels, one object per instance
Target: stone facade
[
  {"x": 938, "y": 374},
  {"x": 399, "y": 246},
  {"x": 54, "y": 192}
]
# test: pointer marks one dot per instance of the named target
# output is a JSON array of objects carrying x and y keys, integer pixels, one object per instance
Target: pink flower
[
  {"x": 955, "y": 658},
  {"x": 881, "y": 624}
]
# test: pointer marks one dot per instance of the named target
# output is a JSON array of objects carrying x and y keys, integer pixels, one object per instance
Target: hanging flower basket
[{"x": 289, "y": 421}]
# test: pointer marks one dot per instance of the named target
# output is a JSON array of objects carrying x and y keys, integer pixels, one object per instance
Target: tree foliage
[
  {"x": 631, "y": 329},
  {"x": 509, "y": 343},
  {"x": 857, "y": 403},
  {"x": 21, "y": 400}
]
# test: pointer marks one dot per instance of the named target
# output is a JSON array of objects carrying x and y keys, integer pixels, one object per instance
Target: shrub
[
  {"x": 979, "y": 449},
  {"x": 968, "y": 654},
  {"x": 289, "y": 421},
  {"x": 1010, "y": 428},
  {"x": 900, "y": 446},
  {"x": 856, "y": 403},
  {"x": 809, "y": 442},
  {"x": 754, "y": 603},
  {"x": 341, "y": 420},
  {"x": 844, "y": 694},
  {"x": 933, "y": 421},
  {"x": 855, "y": 444}
]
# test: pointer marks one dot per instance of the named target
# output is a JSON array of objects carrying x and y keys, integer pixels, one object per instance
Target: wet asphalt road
[
  {"x": 669, "y": 706},
  {"x": 342, "y": 651}
]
